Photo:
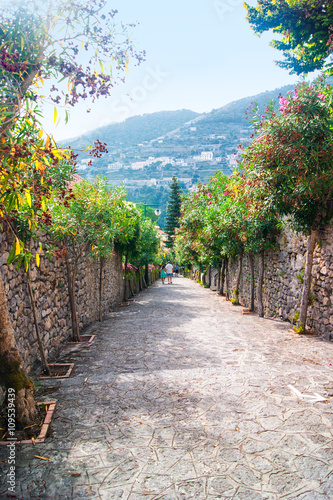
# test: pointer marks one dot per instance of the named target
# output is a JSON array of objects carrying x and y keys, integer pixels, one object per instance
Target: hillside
[
  {"x": 136, "y": 130},
  {"x": 145, "y": 151}
]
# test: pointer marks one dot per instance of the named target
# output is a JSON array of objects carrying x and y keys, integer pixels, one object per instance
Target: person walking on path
[
  {"x": 169, "y": 272},
  {"x": 163, "y": 274}
]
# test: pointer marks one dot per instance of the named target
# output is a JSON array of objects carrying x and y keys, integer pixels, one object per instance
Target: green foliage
[
  {"x": 224, "y": 219},
  {"x": 300, "y": 276},
  {"x": 305, "y": 28},
  {"x": 173, "y": 211},
  {"x": 60, "y": 41},
  {"x": 147, "y": 246},
  {"x": 44, "y": 41},
  {"x": 300, "y": 329},
  {"x": 296, "y": 316},
  {"x": 98, "y": 218},
  {"x": 292, "y": 156},
  {"x": 148, "y": 211}
]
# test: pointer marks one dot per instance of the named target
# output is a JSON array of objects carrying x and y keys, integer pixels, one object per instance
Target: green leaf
[{"x": 11, "y": 256}]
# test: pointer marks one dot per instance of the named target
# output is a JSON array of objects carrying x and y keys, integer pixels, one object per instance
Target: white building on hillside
[
  {"x": 138, "y": 165},
  {"x": 115, "y": 166},
  {"x": 83, "y": 165},
  {"x": 207, "y": 156}
]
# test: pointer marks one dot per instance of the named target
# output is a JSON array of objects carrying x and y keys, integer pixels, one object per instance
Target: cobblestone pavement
[{"x": 181, "y": 396}]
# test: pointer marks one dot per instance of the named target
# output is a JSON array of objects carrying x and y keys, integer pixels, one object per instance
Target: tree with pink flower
[{"x": 292, "y": 157}]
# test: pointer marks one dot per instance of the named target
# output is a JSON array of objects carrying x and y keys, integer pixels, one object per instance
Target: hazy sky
[{"x": 200, "y": 55}]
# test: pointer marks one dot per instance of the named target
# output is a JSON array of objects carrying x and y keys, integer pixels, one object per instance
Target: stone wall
[
  {"x": 49, "y": 283},
  {"x": 283, "y": 281}
]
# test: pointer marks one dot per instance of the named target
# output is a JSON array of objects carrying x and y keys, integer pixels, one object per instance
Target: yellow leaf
[
  {"x": 37, "y": 259},
  {"x": 29, "y": 222},
  {"x": 26, "y": 266},
  {"x": 17, "y": 247},
  {"x": 28, "y": 197},
  {"x": 57, "y": 154},
  {"x": 126, "y": 66},
  {"x": 55, "y": 114},
  {"x": 40, "y": 134},
  {"x": 43, "y": 205}
]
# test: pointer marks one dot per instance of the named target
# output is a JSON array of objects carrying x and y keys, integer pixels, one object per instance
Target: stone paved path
[{"x": 181, "y": 396}]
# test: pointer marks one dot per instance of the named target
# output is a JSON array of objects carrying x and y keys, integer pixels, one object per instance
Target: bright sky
[{"x": 200, "y": 55}]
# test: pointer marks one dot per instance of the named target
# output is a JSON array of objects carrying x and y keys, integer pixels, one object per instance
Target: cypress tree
[{"x": 173, "y": 211}]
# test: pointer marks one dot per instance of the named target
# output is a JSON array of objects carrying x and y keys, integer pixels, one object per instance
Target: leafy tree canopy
[
  {"x": 173, "y": 210},
  {"x": 305, "y": 27},
  {"x": 292, "y": 156},
  {"x": 74, "y": 41}
]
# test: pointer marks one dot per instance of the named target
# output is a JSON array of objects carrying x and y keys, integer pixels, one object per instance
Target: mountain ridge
[{"x": 120, "y": 131}]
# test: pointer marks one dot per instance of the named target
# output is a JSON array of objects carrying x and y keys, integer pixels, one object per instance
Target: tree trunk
[
  {"x": 209, "y": 270},
  {"x": 144, "y": 282},
  {"x": 227, "y": 295},
  {"x": 131, "y": 287},
  {"x": 125, "y": 277},
  {"x": 71, "y": 292},
  {"x": 101, "y": 287},
  {"x": 219, "y": 277},
  {"x": 39, "y": 340},
  {"x": 12, "y": 376},
  {"x": 221, "y": 287},
  {"x": 313, "y": 238},
  {"x": 251, "y": 264},
  {"x": 239, "y": 273},
  {"x": 146, "y": 279},
  {"x": 260, "y": 283}
]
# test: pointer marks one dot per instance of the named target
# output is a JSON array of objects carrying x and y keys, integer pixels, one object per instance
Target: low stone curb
[
  {"x": 69, "y": 371},
  {"x": 45, "y": 426}
]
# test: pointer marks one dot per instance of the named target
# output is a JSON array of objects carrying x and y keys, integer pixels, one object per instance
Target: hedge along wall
[
  {"x": 51, "y": 296},
  {"x": 282, "y": 281}
]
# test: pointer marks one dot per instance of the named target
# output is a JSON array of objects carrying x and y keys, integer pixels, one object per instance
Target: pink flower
[
  {"x": 209, "y": 195},
  {"x": 321, "y": 96},
  {"x": 210, "y": 202},
  {"x": 243, "y": 217},
  {"x": 284, "y": 101}
]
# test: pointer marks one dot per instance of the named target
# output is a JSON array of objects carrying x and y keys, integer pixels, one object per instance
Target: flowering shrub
[{"x": 292, "y": 159}]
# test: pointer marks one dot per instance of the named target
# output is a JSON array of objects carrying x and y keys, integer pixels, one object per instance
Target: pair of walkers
[{"x": 167, "y": 271}]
